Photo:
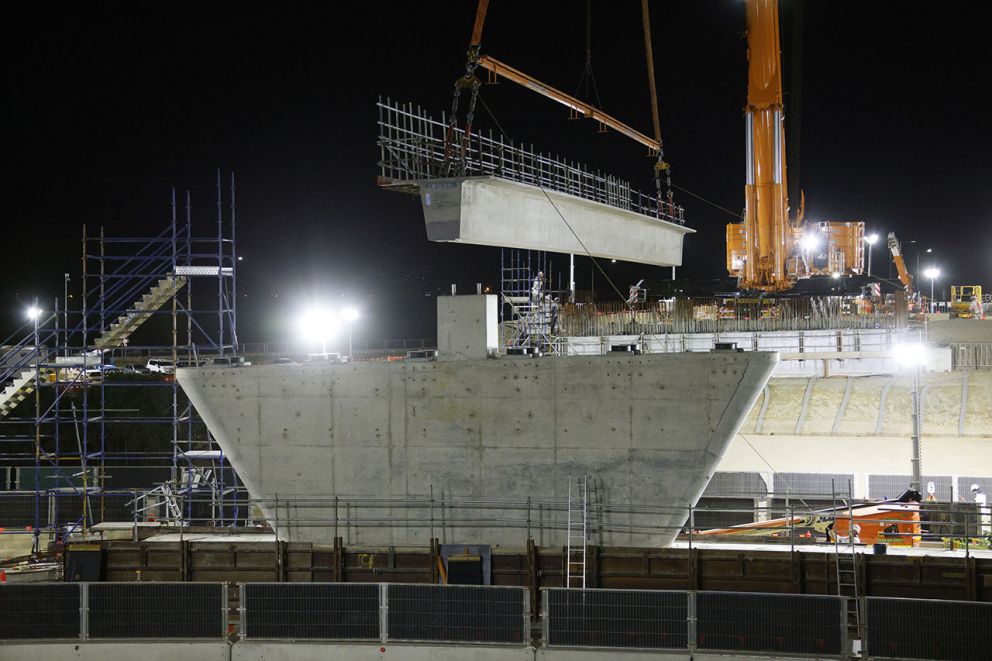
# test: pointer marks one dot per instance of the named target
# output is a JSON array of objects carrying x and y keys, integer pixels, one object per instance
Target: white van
[{"x": 160, "y": 366}]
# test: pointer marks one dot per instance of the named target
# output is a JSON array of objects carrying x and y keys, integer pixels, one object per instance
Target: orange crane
[
  {"x": 769, "y": 250},
  {"x": 904, "y": 275}
]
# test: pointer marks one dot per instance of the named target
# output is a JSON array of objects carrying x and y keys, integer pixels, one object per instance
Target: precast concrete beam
[{"x": 496, "y": 212}]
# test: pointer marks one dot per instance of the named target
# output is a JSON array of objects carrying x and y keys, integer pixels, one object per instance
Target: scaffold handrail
[{"x": 412, "y": 148}]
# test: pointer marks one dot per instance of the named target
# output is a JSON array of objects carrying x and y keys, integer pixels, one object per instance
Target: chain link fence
[
  {"x": 310, "y": 611},
  {"x": 44, "y": 611},
  {"x": 782, "y": 623},
  {"x": 720, "y": 622},
  {"x": 642, "y": 619},
  {"x": 458, "y": 613},
  {"x": 929, "y": 629},
  {"x": 155, "y": 610}
]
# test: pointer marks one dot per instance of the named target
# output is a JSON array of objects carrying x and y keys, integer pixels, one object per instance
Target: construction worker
[
  {"x": 856, "y": 534},
  {"x": 537, "y": 288}
]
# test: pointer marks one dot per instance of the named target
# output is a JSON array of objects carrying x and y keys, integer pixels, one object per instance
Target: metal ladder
[
  {"x": 578, "y": 529},
  {"x": 846, "y": 563}
]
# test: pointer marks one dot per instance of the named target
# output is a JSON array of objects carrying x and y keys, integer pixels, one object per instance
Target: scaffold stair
[
  {"x": 19, "y": 389},
  {"x": 127, "y": 323}
]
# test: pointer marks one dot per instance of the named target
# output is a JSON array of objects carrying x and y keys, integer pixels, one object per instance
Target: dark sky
[{"x": 108, "y": 105}]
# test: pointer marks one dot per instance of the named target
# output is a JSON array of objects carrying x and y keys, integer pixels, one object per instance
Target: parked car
[{"x": 160, "y": 366}]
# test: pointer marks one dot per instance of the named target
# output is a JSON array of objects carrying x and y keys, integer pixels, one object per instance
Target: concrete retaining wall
[{"x": 116, "y": 651}]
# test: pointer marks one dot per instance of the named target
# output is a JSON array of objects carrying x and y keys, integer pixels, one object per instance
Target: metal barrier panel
[
  {"x": 929, "y": 629},
  {"x": 644, "y": 619},
  {"x": 324, "y": 611},
  {"x": 40, "y": 611},
  {"x": 458, "y": 613},
  {"x": 157, "y": 610},
  {"x": 795, "y": 624},
  {"x": 18, "y": 509},
  {"x": 891, "y": 486}
]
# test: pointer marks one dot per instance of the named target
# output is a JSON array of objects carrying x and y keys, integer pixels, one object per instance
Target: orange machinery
[
  {"x": 769, "y": 250},
  {"x": 896, "y": 522},
  {"x": 905, "y": 277}
]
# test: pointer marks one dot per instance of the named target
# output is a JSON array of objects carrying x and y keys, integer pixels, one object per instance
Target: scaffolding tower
[
  {"x": 91, "y": 435},
  {"x": 530, "y": 302}
]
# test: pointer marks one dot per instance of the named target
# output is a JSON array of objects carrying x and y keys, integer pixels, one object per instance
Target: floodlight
[
  {"x": 835, "y": 275},
  {"x": 932, "y": 272},
  {"x": 317, "y": 325},
  {"x": 871, "y": 239},
  {"x": 809, "y": 242},
  {"x": 909, "y": 355},
  {"x": 350, "y": 314},
  {"x": 33, "y": 312}
]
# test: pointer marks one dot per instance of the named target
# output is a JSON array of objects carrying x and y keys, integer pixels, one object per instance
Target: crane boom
[
  {"x": 480, "y": 20},
  {"x": 768, "y": 232},
  {"x": 904, "y": 275}
]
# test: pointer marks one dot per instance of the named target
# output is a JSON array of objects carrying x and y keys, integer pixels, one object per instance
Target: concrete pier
[{"x": 647, "y": 430}]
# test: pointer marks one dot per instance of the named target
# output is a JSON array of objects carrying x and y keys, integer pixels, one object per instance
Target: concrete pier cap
[{"x": 496, "y": 212}]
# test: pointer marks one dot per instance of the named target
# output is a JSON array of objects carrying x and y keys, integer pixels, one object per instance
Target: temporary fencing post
[
  {"x": 690, "y": 620},
  {"x": 84, "y": 611},
  {"x": 383, "y": 612}
]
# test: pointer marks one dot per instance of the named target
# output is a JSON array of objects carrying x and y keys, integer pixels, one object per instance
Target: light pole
[
  {"x": 65, "y": 313},
  {"x": 870, "y": 240},
  {"x": 350, "y": 315},
  {"x": 914, "y": 356},
  {"x": 933, "y": 272},
  {"x": 34, "y": 313}
]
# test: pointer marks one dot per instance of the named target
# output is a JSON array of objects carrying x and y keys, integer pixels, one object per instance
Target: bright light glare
[
  {"x": 871, "y": 239},
  {"x": 909, "y": 355},
  {"x": 932, "y": 272},
  {"x": 317, "y": 325},
  {"x": 350, "y": 314},
  {"x": 835, "y": 275},
  {"x": 809, "y": 242},
  {"x": 34, "y": 312}
]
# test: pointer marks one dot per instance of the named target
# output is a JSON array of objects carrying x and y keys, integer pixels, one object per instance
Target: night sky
[{"x": 108, "y": 105}]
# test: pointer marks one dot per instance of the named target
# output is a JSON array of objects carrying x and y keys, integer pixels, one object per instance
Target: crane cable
[
  {"x": 660, "y": 165},
  {"x": 738, "y": 216},
  {"x": 499, "y": 127},
  {"x": 587, "y": 74},
  {"x": 775, "y": 473}
]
